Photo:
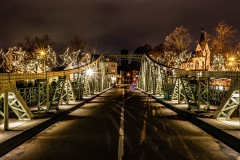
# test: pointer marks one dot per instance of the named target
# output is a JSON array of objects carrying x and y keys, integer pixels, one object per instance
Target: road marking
[{"x": 121, "y": 134}]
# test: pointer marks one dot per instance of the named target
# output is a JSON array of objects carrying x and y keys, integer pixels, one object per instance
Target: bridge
[{"x": 200, "y": 90}]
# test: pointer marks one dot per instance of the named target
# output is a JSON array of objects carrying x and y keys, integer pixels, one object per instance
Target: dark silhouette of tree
[
  {"x": 77, "y": 44},
  {"x": 31, "y": 45},
  {"x": 143, "y": 49},
  {"x": 158, "y": 51}
]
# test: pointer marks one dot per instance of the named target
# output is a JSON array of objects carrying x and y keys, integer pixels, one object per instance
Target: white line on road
[{"x": 121, "y": 134}]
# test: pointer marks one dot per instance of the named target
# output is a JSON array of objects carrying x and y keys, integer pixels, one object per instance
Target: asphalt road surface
[{"x": 123, "y": 124}]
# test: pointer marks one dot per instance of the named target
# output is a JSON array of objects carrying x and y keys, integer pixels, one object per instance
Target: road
[{"x": 122, "y": 124}]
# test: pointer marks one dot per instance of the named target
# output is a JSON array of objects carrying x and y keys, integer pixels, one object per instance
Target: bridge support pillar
[
  {"x": 188, "y": 91},
  {"x": 6, "y": 114},
  {"x": 81, "y": 86},
  {"x": 154, "y": 79},
  {"x": 177, "y": 91},
  {"x": 203, "y": 93}
]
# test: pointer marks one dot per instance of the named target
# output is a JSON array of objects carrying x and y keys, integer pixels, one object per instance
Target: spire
[{"x": 202, "y": 37}]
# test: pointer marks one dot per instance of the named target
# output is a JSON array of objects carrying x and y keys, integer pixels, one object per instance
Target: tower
[{"x": 203, "y": 53}]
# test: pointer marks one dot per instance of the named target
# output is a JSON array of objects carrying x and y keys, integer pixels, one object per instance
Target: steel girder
[
  {"x": 166, "y": 85},
  {"x": 158, "y": 81},
  {"x": 203, "y": 93},
  {"x": 29, "y": 95},
  {"x": 147, "y": 77},
  {"x": 15, "y": 101},
  {"x": 100, "y": 75},
  {"x": 2, "y": 107},
  {"x": 178, "y": 91},
  {"x": 97, "y": 80},
  {"x": 229, "y": 103},
  {"x": 189, "y": 94},
  {"x": 104, "y": 76},
  {"x": 133, "y": 57},
  {"x": 68, "y": 93},
  {"x": 216, "y": 93},
  {"x": 153, "y": 72},
  {"x": 41, "y": 90},
  {"x": 142, "y": 79},
  {"x": 19, "y": 106},
  {"x": 87, "y": 86},
  {"x": 57, "y": 95},
  {"x": 76, "y": 85},
  {"x": 81, "y": 86}
]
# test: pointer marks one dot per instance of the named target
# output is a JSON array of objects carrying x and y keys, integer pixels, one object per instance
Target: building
[
  {"x": 201, "y": 56},
  {"x": 111, "y": 69}
]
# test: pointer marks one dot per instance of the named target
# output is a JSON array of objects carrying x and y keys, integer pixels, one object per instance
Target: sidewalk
[
  {"x": 227, "y": 131},
  {"x": 22, "y": 130}
]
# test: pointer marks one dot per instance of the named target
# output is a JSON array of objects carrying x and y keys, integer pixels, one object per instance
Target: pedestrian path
[
  {"x": 22, "y": 130},
  {"x": 227, "y": 131}
]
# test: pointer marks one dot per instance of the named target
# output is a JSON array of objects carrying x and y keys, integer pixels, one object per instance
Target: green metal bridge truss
[
  {"x": 191, "y": 87},
  {"x": 55, "y": 88}
]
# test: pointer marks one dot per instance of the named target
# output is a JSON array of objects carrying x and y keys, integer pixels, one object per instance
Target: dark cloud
[{"x": 111, "y": 25}]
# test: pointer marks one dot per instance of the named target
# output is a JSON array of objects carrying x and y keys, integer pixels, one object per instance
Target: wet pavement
[
  {"x": 22, "y": 130},
  {"x": 227, "y": 131}
]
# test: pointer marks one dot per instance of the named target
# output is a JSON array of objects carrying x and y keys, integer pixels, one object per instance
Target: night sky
[{"x": 111, "y": 25}]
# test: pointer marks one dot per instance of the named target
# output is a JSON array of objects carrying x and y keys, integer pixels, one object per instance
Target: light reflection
[
  {"x": 153, "y": 112},
  {"x": 233, "y": 123},
  {"x": 143, "y": 133}
]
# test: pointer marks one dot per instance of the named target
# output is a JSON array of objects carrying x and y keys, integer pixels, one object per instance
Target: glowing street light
[{"x": 89, "y": 72}]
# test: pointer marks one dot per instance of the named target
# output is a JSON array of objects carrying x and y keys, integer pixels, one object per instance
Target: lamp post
[
  {"x": 128, "y": 75},
  {"x": 44, "y": 65}
]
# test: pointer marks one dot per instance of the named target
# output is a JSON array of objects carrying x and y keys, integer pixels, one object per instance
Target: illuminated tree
[
  {"x": 223, "y": 41},
  {"x": 178, "y": 41},
  {"x": 218, "y": 63},
  {"x": 176, "y": 46}
]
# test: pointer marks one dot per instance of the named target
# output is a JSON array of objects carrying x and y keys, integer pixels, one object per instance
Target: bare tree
[
  {"x": 32, "y": 45},
  {"x": 177, "y": 44},
  {"x": 178, "y": 41},
  {"x": 77, "y": 44},
  {"x": 223, "y": 41}
]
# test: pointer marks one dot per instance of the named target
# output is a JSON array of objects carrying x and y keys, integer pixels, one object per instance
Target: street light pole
[{"x": 44, "y": 65}]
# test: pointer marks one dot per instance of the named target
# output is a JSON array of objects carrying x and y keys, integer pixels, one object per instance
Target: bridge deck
[{"x": 19, "y": 129}]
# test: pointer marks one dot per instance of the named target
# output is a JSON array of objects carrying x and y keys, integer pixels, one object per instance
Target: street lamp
[
  {"x": 89, "y": 72},
  {"x": 113, "y": 79}
]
